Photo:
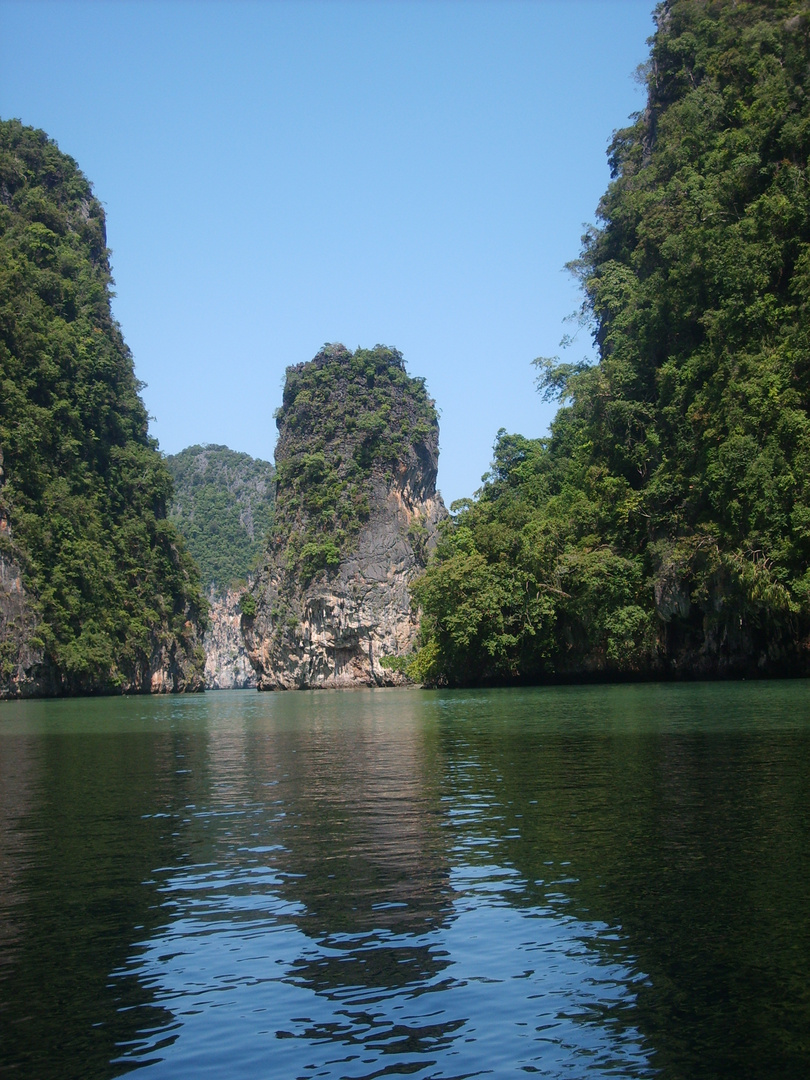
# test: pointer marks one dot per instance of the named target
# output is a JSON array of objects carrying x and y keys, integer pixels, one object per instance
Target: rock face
[
  {"x": 21, "y": 662},
  {"x": 173, "y": 668},
  {"x": 227, "y": 664},
  {"x": 356, "y": 515}
]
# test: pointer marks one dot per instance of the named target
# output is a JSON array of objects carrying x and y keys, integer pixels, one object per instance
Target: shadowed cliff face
[{"x": 356, "y": 515}]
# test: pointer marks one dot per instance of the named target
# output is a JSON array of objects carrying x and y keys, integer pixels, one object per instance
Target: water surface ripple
[{"x": 567, "y": 882}]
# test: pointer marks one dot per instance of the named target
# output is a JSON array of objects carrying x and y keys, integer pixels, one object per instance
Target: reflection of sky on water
[
  {"x": 328, "y": 921},
  {"x": 494, "y": 989}
]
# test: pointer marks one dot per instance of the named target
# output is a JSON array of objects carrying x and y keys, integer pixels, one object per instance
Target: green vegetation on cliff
[
  {"x": 83, "y": 505},
  {"x": 664, "y": 526},
  {"x": 223, "y": 507},
  {"x": 347, "y": 419}
]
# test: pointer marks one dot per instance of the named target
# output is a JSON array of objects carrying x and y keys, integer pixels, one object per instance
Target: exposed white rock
[{"x": 227, "y": 664}]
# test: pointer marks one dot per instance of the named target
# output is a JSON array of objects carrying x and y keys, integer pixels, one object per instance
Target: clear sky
[{"x": 285, "y": 173}]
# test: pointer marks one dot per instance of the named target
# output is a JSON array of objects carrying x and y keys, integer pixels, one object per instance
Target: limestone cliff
[
  {"x": 227, "y": 664},
  {"x": 26, "y": 671},
  {"x": 356, "y": 514}
]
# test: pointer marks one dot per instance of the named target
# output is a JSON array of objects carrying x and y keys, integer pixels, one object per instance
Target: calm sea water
[{"x": 569, "y": 882}]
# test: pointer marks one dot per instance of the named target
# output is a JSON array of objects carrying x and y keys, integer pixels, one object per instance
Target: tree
[{"x": 667, "y": 514}]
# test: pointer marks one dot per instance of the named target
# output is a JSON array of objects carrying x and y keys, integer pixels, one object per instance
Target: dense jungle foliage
[
  {"x": 347, "y": 419},
  {"x": 223, "y": 507},
  {"x": 86, "y": 488},
  {"x": 664, "y": 525}
]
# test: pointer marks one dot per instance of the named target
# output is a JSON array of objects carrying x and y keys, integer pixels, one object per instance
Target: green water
[{"x": 570, "y": 882}]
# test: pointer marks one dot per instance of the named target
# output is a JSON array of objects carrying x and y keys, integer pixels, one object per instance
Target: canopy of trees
[
  {"x": 664, "y": 525},
  {"x": 86, "y": 489}
]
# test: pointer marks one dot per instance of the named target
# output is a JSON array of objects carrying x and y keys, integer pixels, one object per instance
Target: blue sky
[{"x": 280, "y": 174}]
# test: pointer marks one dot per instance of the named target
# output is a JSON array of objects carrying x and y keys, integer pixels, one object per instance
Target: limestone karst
[{"x": 356, "y": 514}]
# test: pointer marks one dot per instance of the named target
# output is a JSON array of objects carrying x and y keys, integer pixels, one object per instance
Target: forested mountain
[
  {"x": 223, "y": 506},
  {"x": 664, "y": 525},
  {"x": 97, "y": 591}
]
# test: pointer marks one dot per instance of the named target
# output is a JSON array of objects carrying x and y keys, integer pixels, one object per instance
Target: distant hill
[{"x": 223, "y": 506}]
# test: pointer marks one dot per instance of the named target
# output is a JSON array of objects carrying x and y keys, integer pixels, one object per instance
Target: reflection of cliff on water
[
  {"x": 365, "y": 837},
  {"x": 677, "y": 818},
  {"x": 312, "y": 871},
  {"x": 76, "y": 854},
  {"x": 344, "y": 817}
]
